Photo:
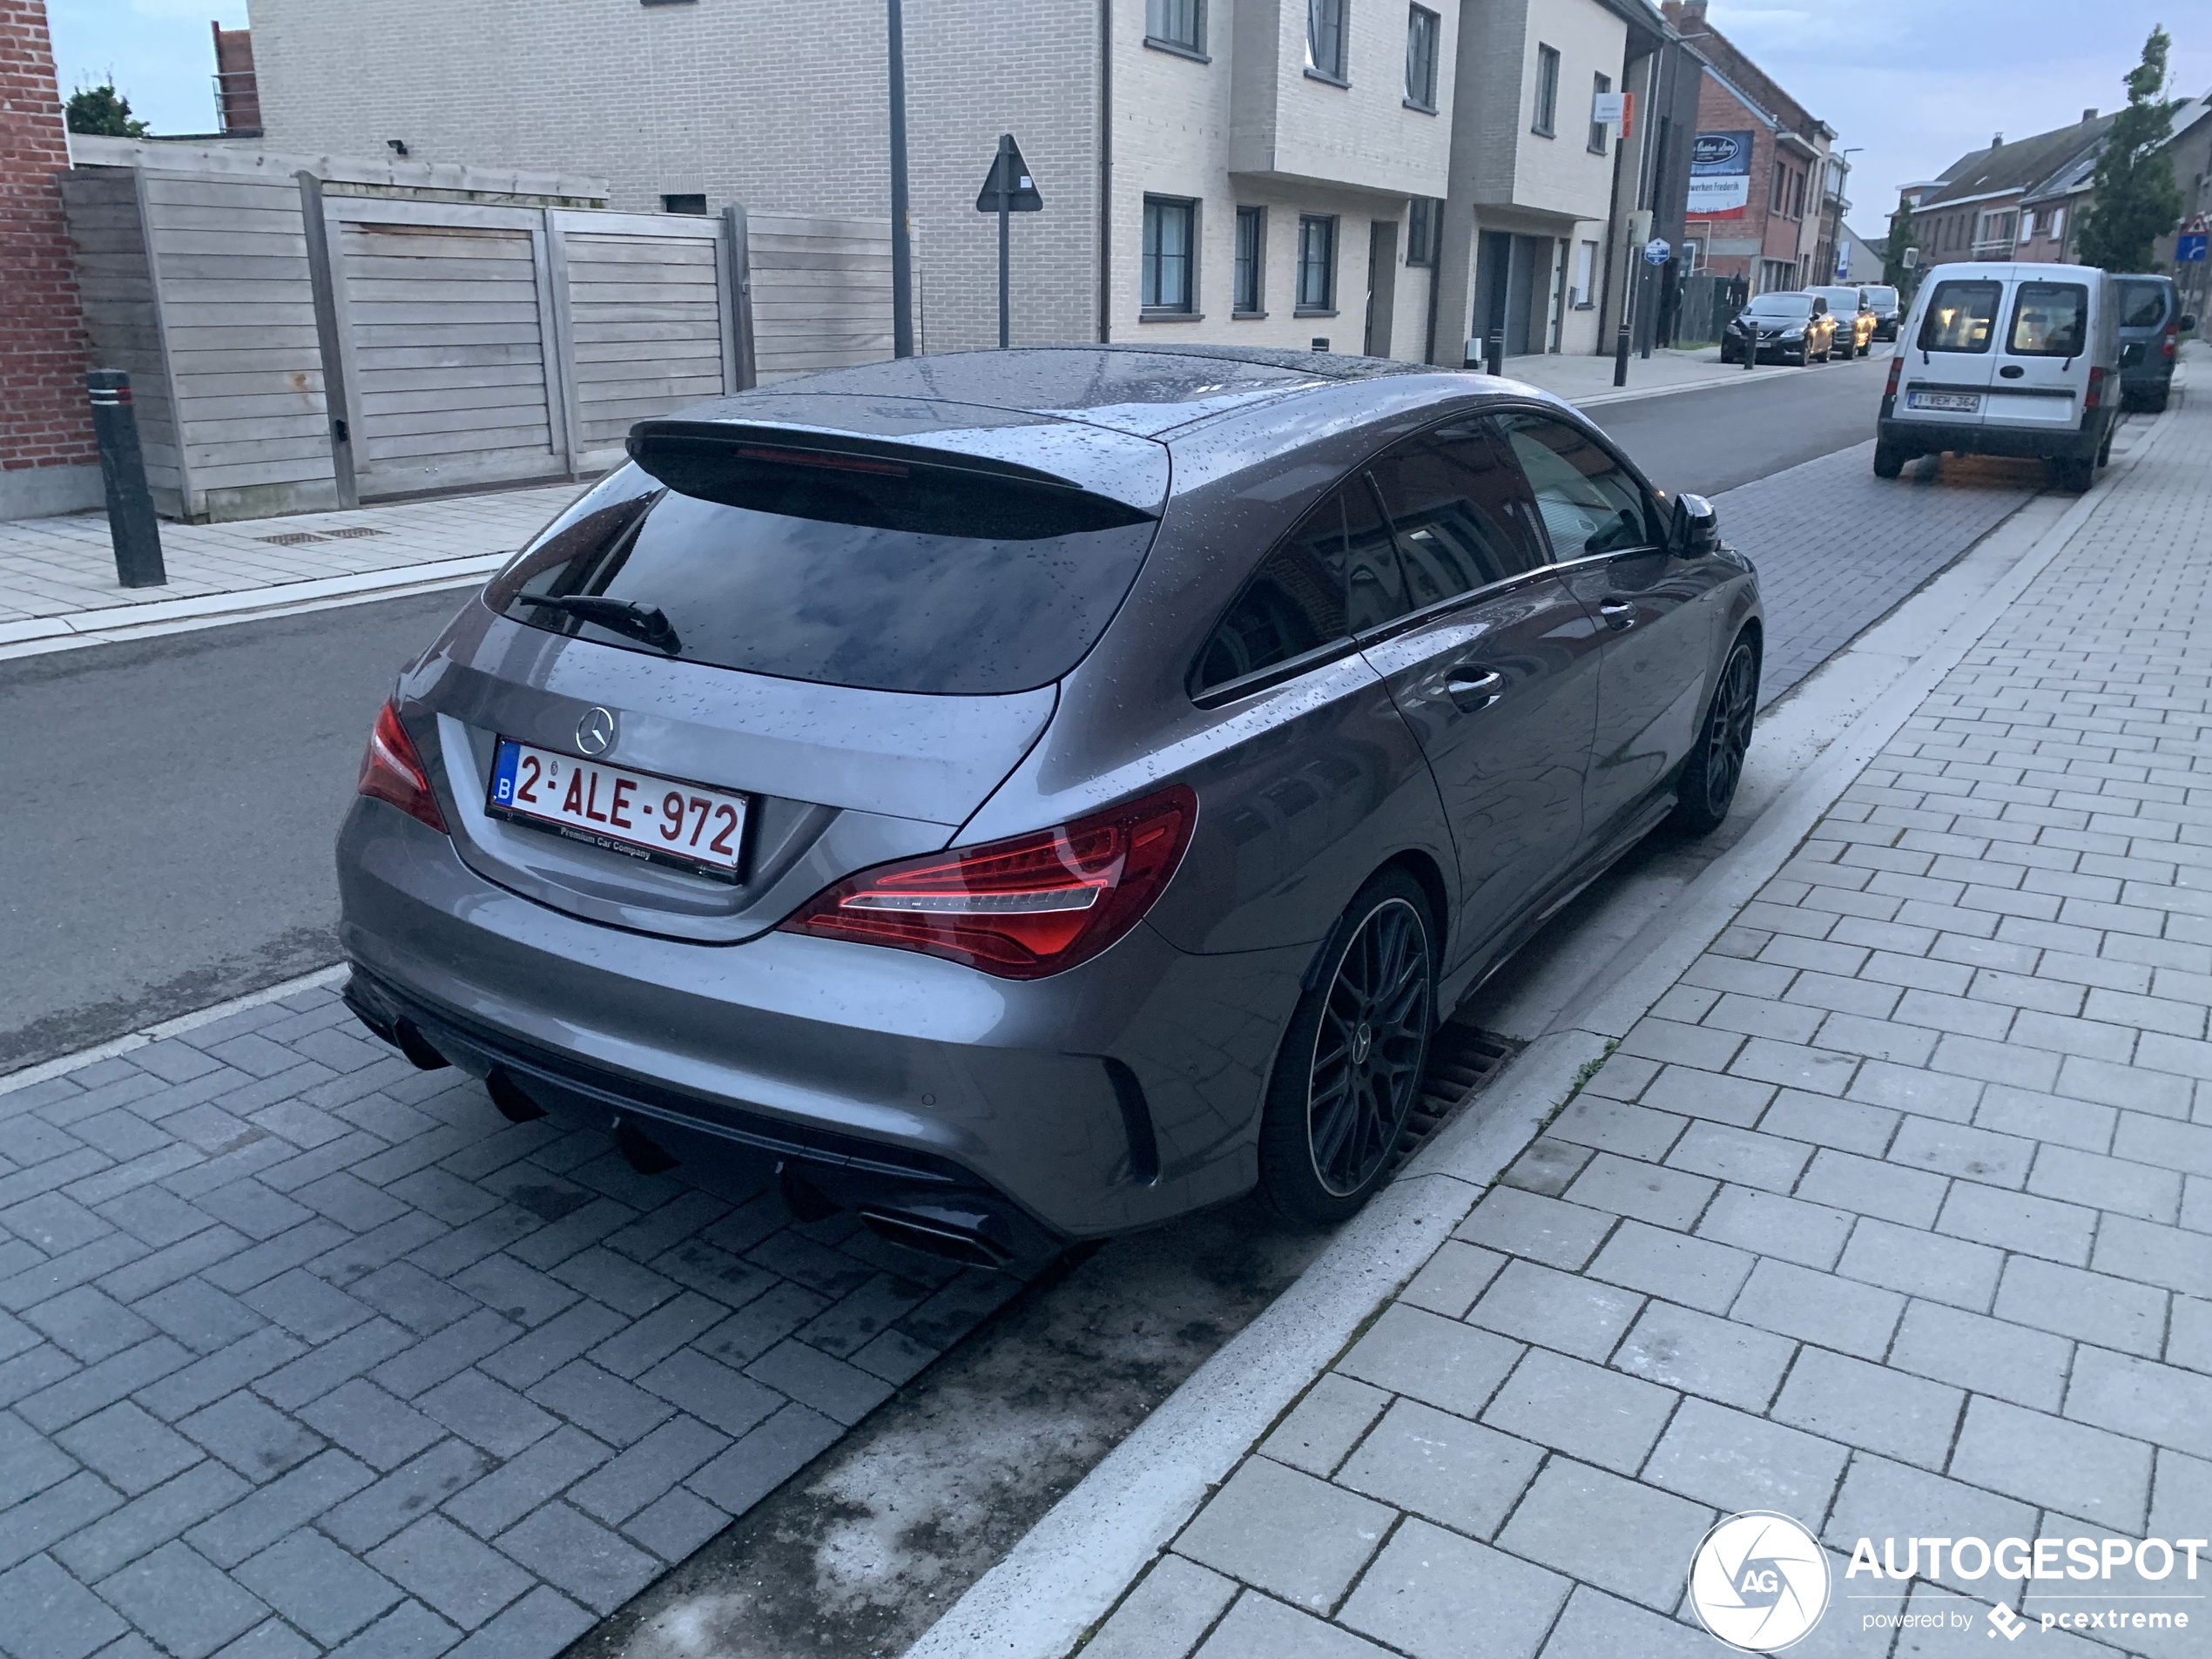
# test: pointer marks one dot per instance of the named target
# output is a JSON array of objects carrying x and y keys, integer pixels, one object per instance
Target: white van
[{"x": 1999, "y": 358}]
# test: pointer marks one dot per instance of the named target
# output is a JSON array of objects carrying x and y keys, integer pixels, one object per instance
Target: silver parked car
[{"x": 1027, "y": 795}]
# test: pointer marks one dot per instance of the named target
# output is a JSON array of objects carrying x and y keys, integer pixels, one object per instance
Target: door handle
[
  {"x": 1472, "y": 692},
  {"x": 1618, "y": 613},
  {"x": 2012, "y": 371}
]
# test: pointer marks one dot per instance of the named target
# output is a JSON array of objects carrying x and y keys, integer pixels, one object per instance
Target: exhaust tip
[
  {"x": 640, "y": 1150},
  {"x": 418, "y": 1048},
  {"x": 945, "y": 1237}
]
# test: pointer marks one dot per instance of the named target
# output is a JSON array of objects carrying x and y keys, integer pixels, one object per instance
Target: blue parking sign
[{"x": 2189, "y": 248}]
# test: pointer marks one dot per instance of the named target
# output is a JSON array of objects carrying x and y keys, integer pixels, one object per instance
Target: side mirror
[
  {"x": 1696, "y": 529},
  {"x": 2188, "y": 325}
]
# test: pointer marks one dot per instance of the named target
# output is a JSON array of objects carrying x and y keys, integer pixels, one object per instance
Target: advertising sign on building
[{"x": 1720, "y": 175}]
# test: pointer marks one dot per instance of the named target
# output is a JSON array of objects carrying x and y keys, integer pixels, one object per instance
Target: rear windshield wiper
[{"x": 646, "y": 622}]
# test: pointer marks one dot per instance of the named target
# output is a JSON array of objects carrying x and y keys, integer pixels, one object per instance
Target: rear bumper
[
  {"x": 1121, "y": 1093},
  {"x": 2021, "y": 443}
]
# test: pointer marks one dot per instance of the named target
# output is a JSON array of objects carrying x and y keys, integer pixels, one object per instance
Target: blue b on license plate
[{"x": 635, "y": 814}]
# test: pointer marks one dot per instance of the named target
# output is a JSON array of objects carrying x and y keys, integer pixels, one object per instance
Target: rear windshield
[
  {"x": 1879, "y": 297},
  {"x": 1961, "y": 316},
  {"x": 1781, "y": 305},
  {"x": 2050, "y": 320},
  {"x": 864, "y": 573},
  {"x": 2142, "y": 305},
  {"x": 1839, "y": 298}
]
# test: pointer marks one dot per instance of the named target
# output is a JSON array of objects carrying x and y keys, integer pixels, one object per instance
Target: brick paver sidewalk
[
  {"x": 1895, "y": 1215},
  {"x": 303, "y": 1350},
  {"x": 53, "y": 568}
]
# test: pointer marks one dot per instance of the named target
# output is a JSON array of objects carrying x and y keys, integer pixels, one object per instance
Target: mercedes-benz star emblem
[{"x": 595, "y": 733}]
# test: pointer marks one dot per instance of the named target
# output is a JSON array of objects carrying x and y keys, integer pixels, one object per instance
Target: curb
[
  {"x": 1073, "y": 1568},
  {"x": 113, "y": 623}
]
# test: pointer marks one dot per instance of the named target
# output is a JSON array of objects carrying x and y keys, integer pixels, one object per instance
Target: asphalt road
[{"x": 173, "y": 802}]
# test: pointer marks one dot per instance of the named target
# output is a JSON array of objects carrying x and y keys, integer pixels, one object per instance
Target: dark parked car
[
  {"x": 1854, "y": 319},
  {"x": 1791, "y": 327},
  {"x": 1029, "y": 794},
  {"x": 2151, "y": 325},
  {"x": 1888, "y": 309}
]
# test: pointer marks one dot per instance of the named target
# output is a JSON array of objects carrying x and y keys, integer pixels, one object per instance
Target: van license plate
[
  {"x": 630, "y": 813},
  {"x": 1950, "y": 403}
]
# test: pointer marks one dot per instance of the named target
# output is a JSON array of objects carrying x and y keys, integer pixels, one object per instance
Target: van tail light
[
  {"x": 1897, "y": 368},
  {"x": 2096, "y": 390},
  {"x": 2171, "y": 341},
  {"x": 392, "y": 770},
  {"x": 1019, "y": 908}
]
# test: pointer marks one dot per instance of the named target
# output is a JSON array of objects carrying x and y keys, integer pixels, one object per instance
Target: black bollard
[
  {"x": 1621, "y": 356},
  {"x": 130, "y": 522},
  {"x": 1494, "y": 351}
]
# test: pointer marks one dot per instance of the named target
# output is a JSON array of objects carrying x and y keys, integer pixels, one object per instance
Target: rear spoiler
[{"x": 689, "y": 456}]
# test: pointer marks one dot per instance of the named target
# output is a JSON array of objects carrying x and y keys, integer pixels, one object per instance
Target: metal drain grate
[
  {"x": 352, "y": 533},
  {"x": 291, "y": 538},
  {"x": 1461, "y": 1061}
]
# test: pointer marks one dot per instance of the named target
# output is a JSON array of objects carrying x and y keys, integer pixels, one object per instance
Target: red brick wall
[{"x": 43, "y": 417}]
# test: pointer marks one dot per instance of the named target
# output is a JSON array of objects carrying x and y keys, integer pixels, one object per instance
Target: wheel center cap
[{"x": 1362, "y": 1040}]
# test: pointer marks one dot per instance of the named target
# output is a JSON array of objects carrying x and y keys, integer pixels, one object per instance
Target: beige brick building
[{"x": 1257, "y": 171}]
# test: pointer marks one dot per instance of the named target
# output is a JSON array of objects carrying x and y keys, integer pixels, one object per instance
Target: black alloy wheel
[
  {"x": 1350, "y": 1068},
  {"x": 1716, "y": 765}
]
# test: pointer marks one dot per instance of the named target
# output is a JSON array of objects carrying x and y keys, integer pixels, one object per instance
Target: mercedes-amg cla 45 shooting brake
[{"x": 1023, "y": 796}]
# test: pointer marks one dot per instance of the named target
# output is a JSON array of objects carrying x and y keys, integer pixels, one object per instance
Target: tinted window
[
  {"x": 855, "y": 572},
  {"x": 2142, "y": 305},
  {"x": 1879, "y": 297},
  {"x": 1295, "y": 601},
  {"x": 1961, "y": 316},
  {"x": 1781, "y": 305},
  {"x": 1452, "y": 495},
  {"x": 1587, "y": 503},
  {"x": 2050, "y": 320}
]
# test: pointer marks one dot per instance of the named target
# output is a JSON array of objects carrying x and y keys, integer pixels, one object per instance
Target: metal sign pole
[
  {"x": 902, "y": 270},
  {"x": 1005, "y": 211}
]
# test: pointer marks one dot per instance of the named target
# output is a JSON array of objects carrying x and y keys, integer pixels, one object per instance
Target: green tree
[
  {"x": 103, "y": 110},
  {"x": 1895, "y": 272},
  {"x": 2137, "y": 201}
]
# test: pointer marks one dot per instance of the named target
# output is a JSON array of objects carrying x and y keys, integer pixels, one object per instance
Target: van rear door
[
  {"x": 1950, "y": 361},
  {"x": 2044, "y": 358}
]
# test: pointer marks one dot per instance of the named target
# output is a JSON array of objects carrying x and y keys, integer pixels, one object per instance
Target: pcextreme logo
[{"x": 1759, "y": 1582}]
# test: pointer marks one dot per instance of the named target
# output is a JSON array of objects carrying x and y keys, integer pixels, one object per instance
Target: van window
[
  {"x": 2050, "y": 320},
  {"x": 1295, "y": 601},
  {"x": 2142, "y": 305},
  {"x": 1961, "y": 316},
  {"x": 1879, "y": 296}
]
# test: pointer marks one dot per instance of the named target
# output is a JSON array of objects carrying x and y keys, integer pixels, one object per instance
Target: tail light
[
  {"x": 2096, "y": 390},
  {"x": 1897, "y": 368},
  {"x": 391, "y": 771},
  {"x": 2171, "y": 342},
  {"x": 1024, "y": 908}
]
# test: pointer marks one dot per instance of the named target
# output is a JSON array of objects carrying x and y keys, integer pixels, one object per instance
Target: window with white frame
[
  {"x": 1250, "y": 298},
  {"x": 1547, "y": 91},
  {"x": 1585, "y": 276},
  {"x": 2027, "y": 226},
  {"x": 1317, "y": 263},
  {"x": 1420, "y": 230},
  {"x": 1181, "y": 23},
  {"x": 1324, "y": 42},
  {"x": 1600, "y": 133},
  {"x": 2058, "y": 225},
  {"x": 1424, "y": 30},
  {"x": 1166, "y": 281}
]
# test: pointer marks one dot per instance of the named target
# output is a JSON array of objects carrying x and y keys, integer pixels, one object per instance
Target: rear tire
[
  {"x": 2074, "y": 476},
  {"x": 1889, "y": 460},
  {"x": 1349, "y": 1070},
  {"x": 2154, "y": 402},
  {"x": 1707, "y": 788}
]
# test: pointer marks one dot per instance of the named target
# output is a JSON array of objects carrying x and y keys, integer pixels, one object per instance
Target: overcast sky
[{"x": 1916, "y": 85}]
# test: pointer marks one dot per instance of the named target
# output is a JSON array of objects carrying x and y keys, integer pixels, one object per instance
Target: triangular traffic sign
[{"x": 1010, "y": 173}]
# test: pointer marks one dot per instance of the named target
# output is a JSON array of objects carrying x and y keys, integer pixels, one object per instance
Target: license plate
[
  {"x": 631, "y": 812},
  {"x": 1954, "y": 402}
]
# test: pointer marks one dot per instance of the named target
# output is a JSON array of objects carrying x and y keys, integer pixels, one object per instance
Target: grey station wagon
[{"x": 1026, "y": 795}]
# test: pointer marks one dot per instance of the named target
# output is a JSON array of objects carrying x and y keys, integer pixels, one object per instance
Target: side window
[
  {"x": 2050, "y": 320},
  {"x": 1453, "y": 494},
  {"x": 1961, "y": 316},
  {"x": 1295, "y": 601},
  {"x": 1587, "y": 503}
]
